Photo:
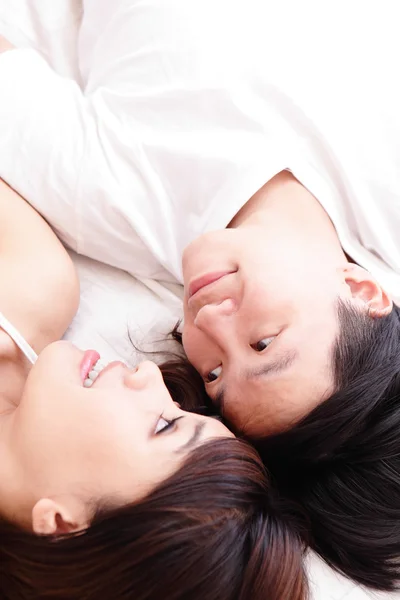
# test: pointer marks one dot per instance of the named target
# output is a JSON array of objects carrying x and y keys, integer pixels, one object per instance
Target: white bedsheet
[{"x": 115, "y": 305}]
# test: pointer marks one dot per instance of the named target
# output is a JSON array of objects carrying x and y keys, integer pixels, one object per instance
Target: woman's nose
[{"x": 146, "y": 374}]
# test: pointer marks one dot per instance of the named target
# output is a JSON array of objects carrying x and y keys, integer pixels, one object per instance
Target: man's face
[{"x": 262, "y": 333}]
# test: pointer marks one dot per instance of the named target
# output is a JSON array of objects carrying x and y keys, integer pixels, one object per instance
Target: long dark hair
[
  {"x": 215, "y": 530},
  {"x": 342, "y": 462}
]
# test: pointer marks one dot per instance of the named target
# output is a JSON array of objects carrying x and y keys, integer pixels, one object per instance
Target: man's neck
[{"x": 285, "y": 203}]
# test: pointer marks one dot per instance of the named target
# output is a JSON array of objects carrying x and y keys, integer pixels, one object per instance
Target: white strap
[{"x": 18, "y": 339}]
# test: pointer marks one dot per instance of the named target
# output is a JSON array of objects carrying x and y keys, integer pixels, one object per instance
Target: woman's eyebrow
[{"x": 193, "y": 439}]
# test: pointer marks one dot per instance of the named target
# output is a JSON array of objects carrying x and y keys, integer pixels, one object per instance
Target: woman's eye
[
  {"x": 163, "y": 425},
  {"x": 262, "y": 344},
  {"x": 214, "y": 374}
]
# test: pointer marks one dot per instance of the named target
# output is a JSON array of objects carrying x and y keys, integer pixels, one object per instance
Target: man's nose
[{"x": 215, "y": 319}]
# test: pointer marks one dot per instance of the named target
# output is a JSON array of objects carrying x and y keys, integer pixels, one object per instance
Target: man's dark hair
[{"x": 342, "y": 461}]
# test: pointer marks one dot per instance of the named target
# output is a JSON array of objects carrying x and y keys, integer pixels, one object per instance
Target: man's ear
[
  {"x": 55, "y": 518},
  {"x": 366, "y": 290}
]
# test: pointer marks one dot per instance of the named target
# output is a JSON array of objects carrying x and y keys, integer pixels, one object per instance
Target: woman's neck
[{"x": 14, "y": 369}]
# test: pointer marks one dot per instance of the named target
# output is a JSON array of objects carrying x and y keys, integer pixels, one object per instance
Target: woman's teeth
[{"x": 94, "y": 373}]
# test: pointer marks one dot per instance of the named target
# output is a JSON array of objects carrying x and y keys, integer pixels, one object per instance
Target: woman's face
[{"x": 115, "y": 440}]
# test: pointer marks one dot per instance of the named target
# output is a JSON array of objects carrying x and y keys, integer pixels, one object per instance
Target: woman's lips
[
  {"x": 204, "y": 280},
  {"x": 90, "y": 358},
  {"x": 111, "y": 365}
]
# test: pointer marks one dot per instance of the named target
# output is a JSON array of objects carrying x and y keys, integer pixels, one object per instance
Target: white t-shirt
[{"x": 187, "y": 108}]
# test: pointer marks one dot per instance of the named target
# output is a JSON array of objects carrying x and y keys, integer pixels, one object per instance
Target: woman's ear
[
  {"x": 54, "y": 518},
  {"x": 366, "y": 290}
]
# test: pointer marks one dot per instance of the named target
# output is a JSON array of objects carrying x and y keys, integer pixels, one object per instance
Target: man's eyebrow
[
  {"x": 193, "y": 439},
  {"x": 284, "y": 361},
  {"x": 281, "y": 363}
]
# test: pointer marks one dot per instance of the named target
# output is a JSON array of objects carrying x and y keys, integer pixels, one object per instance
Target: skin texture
[
  {"x": 276, "y": 311},
  {"x": 65, "y": 448}
]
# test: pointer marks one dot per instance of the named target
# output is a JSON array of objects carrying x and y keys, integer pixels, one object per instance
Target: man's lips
[{"x": 201, "y": 282}]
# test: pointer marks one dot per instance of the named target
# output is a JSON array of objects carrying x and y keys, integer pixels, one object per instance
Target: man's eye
[
  {"x": 164, "y": 424},
  {"x": 262, "y": 344},
  {"x": 214, "y": 374}
]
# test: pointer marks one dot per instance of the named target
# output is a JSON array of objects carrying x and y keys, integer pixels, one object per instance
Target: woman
[
  {"x": 107, "y": 488},
  {"x": 263, "y": 148}
]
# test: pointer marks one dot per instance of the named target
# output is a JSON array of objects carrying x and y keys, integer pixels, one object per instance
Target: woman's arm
[
  {"x": 5, "y": 44},
  {"x": 39, "y": 290}
]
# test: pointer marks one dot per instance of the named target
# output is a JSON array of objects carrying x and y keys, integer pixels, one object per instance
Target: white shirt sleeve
[
  {"x": 160, "y": 145},
  {"x": 123, "y": 169},
  {"x": 45, "y": 122},
  {"x": 60, "y": 149}
]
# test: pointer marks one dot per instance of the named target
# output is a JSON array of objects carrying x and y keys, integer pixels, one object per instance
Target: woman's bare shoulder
[{"x": 39, "y": 291}]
